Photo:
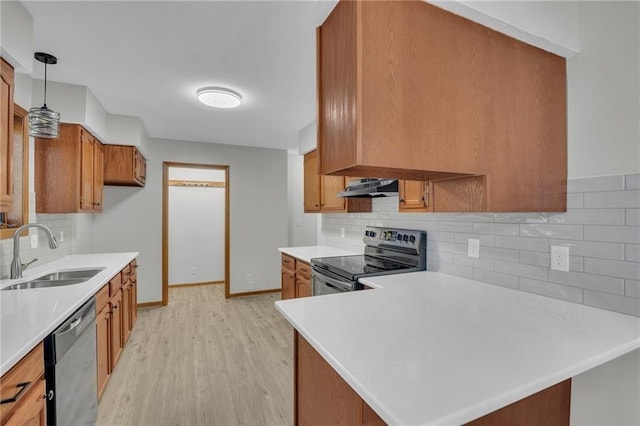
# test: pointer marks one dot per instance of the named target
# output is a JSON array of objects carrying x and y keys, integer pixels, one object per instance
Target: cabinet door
[
  {"x": 103, "y": 347},
  {"x": 414, "y": 196},
  {"x": 32, "y": 410},
  {"x": 86, "y": 171},
  {"x": 6, "y": 136},
  {"x": 322, "y": 396},
  {"x": 116, "y": 328},
  {"x": 331, "y": 185},
  {"x": 303, "y": 287},
  {"x": 140, "y": 167},
  {"x": 311, "y": 183},
  {"x": 98, "y": 175},
  {"x": 126, "y": 311},
  {"x": 134, "y": 293},
  {"x": 288, "y": 284}
]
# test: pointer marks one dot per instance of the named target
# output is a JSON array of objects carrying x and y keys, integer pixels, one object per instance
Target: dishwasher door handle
[{"x": 72, "y": 325}]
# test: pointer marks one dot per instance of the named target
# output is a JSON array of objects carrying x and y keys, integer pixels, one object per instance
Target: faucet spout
[{"x": 16, "y": 264}]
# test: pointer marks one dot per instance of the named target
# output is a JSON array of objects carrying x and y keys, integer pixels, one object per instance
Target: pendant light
[{"x": 43, "y": 122}]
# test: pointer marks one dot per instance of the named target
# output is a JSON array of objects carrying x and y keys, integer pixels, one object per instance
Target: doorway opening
[{"x": 195, "y": 226}]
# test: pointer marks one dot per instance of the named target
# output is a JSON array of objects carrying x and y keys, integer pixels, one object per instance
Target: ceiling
[{"x": 148, "y": 58}]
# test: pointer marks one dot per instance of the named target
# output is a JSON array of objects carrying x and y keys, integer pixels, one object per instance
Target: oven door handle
[{"x": 330, "y": 282}]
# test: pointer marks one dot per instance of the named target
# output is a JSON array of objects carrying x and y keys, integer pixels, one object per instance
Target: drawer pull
[{"x": 22, "y": 387}]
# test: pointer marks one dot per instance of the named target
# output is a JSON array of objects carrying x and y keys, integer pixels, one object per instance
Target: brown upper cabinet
[
  {"x": 320, "y": 191},
  {"x": 124, "y": 165},
  {"x": 6, "y": 136},
  {"x": 410, "y": 91},
  {"x": 413, "y": 196},
  {"x": 69, "y": 172}
]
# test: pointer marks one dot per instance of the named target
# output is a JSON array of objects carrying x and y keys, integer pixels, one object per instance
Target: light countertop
[
  {"x": 28, "y": 316},
  {"x": 430, "y": 348},
  {"x": 309, "y": 252}
]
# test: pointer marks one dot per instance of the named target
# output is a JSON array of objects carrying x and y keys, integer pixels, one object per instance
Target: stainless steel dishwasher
[{"x": 70, "y": 370}]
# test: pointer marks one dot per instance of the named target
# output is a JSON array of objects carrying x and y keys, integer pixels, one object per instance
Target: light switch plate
[
  {"x": 34, "y": 241},
  {"x": 560, "y": 258},
  {"x": 474, "y": 248}
]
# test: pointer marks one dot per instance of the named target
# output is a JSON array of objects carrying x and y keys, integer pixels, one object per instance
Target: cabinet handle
[
  {"x": 23, "y": 386},
  {"x": 402, "y": 200}
]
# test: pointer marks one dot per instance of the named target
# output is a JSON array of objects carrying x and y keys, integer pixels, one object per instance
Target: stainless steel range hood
[{"x": 370, "y": 187}]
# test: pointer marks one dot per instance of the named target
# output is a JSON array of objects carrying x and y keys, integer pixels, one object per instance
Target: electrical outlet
[
  {"x": 560, "y": 258},
  {"x": 473, "y": 249},
  {"x": 34, "y": 241},
  {"x": 61, "y": 237},
  {"x": 342, "y": 233}
]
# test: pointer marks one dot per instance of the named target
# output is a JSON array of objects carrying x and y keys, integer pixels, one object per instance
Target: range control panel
[{"x": 374, "y": 236}]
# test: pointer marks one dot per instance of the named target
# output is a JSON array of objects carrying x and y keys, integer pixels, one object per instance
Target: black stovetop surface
[{"x": 358, "y": 266}]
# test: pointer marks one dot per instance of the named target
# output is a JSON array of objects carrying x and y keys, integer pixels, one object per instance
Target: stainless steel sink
[
  {"x": 70, "y": 274},
  {"x": 57, "y": 279},
  {"x": 44, "y": 283}
]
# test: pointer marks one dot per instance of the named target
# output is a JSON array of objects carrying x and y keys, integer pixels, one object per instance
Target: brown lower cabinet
[
  {"x": 296, "y": 277},
  {"x": 322, "y": 397},
  {"x": 116, "y": 307},
  {"x": 22, "y": 391}
]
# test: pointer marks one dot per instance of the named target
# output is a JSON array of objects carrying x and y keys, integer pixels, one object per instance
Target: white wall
[
  {"x": 604, "y": 91},
  {"x": 303, "y": 227},
  {"x": 196, "y": 228},
  {"x": 76, "y": 104},
  {"x": 132, "y": 217},
  {"x": 16, "y": 35}
]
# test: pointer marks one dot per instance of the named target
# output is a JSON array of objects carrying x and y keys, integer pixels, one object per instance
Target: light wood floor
[{"x": 204, "y": 360}]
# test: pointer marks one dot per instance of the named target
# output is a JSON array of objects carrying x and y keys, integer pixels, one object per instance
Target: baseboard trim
[
  {"x": 196, "y": 284},
  {"x": 149, "y": 304},
  {"x": 253, "y": 293}
]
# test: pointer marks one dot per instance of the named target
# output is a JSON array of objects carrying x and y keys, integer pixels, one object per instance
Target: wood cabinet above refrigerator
[
  {"x": 410, "y": 91},
  {"x": 124, "y": 165}
]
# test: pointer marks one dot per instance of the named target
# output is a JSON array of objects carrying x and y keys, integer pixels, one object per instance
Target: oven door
[{"x": 321, "y": 283}]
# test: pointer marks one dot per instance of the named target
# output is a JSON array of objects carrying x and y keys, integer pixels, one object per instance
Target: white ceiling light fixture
[{"x": 219, "y": 97}]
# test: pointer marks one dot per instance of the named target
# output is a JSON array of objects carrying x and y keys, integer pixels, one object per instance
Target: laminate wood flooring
[{"x": 204, "y": 360}]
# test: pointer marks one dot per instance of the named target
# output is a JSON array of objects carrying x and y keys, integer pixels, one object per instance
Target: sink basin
[
  {"x": 44, "y": 283},
  {"x": 57, "y": 279},
  {"x": 70, "y": 274}
]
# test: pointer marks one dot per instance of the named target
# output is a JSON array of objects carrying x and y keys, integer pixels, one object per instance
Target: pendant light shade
[{"x": 43, "y": 122}]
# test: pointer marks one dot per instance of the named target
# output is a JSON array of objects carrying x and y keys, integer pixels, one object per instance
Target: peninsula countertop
[
  {"x": 430, "y": 348},
  {"x": 29, "y": 315}
]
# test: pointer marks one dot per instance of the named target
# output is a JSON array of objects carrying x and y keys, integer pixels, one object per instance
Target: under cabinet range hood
[{"x": 370, "y": 187}]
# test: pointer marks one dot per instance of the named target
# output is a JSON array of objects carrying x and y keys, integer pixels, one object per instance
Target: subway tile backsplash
[{"x": 601, "y": 227}]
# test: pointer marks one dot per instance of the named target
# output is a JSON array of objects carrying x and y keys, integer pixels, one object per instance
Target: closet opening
[{"x": 195, "y": 226}]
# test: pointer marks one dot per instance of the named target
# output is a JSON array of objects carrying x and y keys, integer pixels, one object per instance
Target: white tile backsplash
[{"x": 601, "y": 228}]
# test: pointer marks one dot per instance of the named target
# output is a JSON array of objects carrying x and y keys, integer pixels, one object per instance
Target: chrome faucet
[{"x": 16, "y": 264}]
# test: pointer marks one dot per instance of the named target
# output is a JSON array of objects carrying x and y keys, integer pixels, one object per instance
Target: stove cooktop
[{"x": 357, "y": 266}]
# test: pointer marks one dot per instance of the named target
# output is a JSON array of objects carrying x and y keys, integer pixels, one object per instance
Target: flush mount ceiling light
[
  {"x": 219, "y": 97},
  {"x": 43, "y": 122}
]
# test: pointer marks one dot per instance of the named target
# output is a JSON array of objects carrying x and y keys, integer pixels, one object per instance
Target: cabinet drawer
[
  {"x": 134, "y": 270},
  {"x": 115, "y": 284},
  {"x": 18, "y": 381},
  {"x": 127, "y": 272},
  {"x": 303, "y": 269},
  {"x": 102, "y": 298},
  {"x": 288, "y": 262}
]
